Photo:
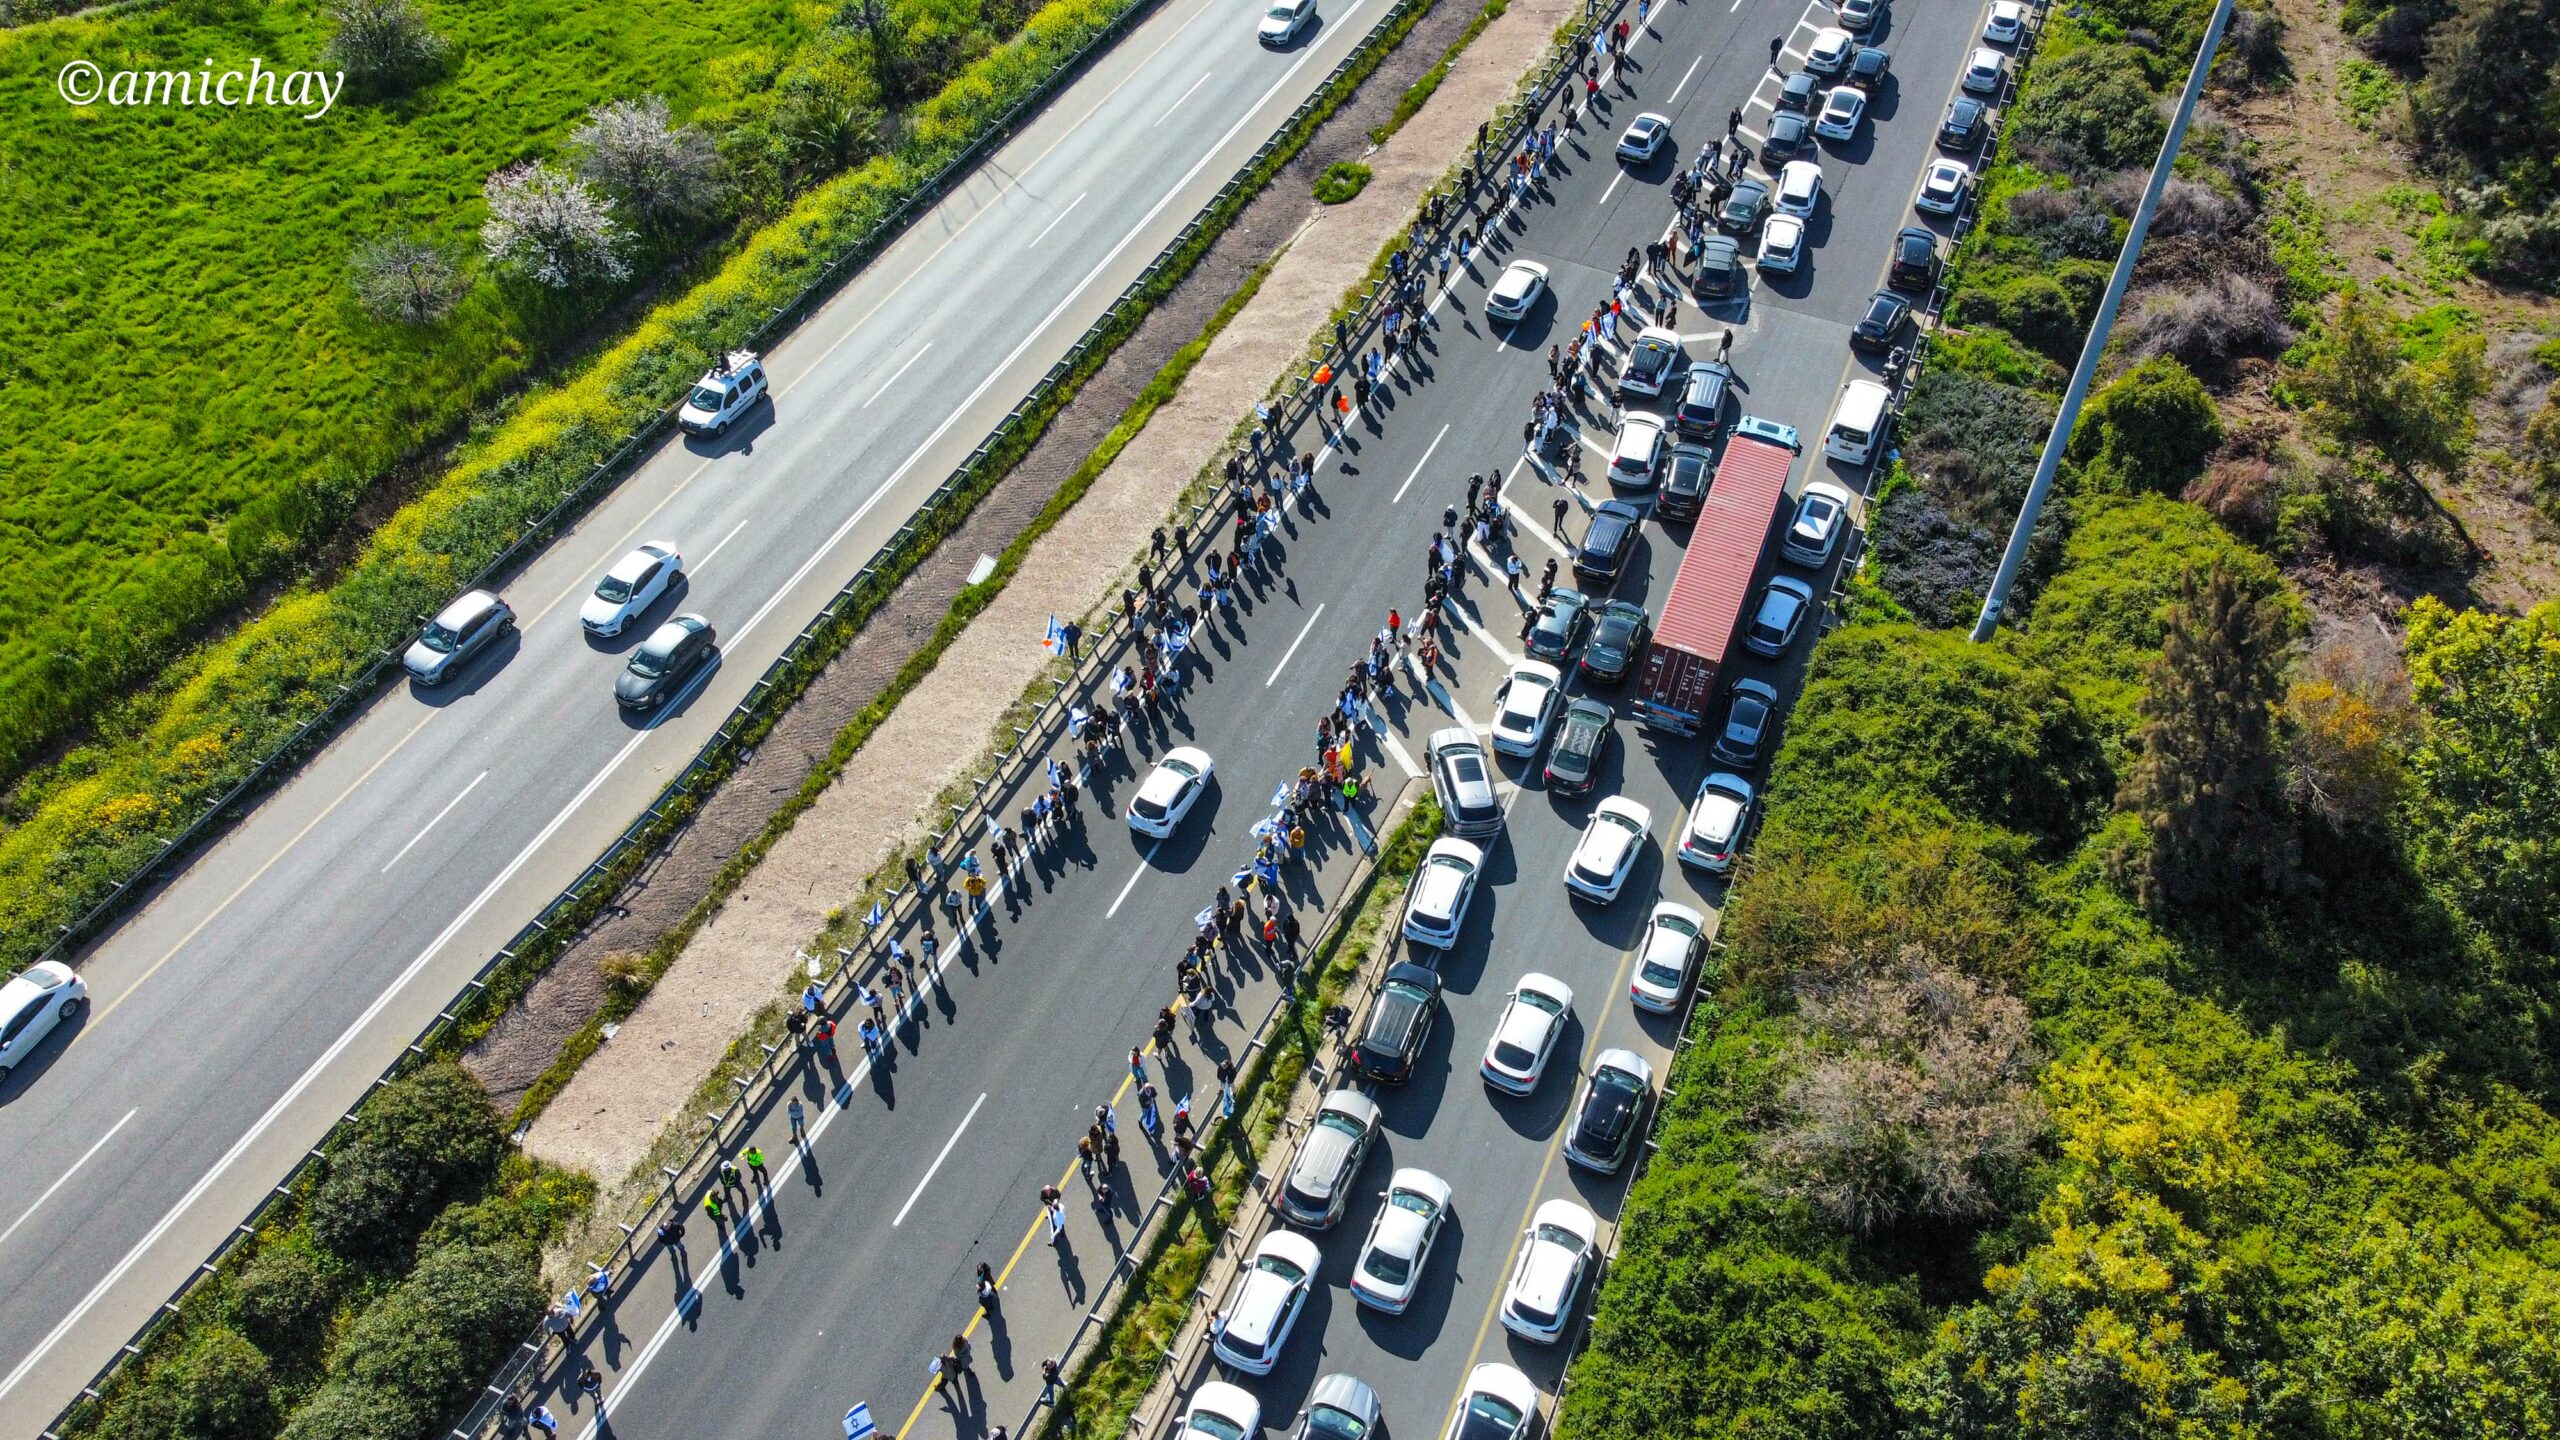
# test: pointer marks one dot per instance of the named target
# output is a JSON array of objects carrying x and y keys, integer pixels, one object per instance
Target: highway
[
  {"x": 824, "y": 1304},
  {"x": 247, "y": 1005}
]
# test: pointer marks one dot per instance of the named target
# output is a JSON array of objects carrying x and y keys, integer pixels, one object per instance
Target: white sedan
[
  {"x": 635, "y": 583},
  {"x": 1266, "y": 1304},
  {"x": 1943, "y": 186},
  {"x": 1666, "y": 957},
  {"x": 1499, "y": 1403},
  {"x": 1525, "y": 706},
  {"x": 1842, "y": 109},
  {"x": 1799, "y": 189},
  {"x": 1282, "y": 21},
  {"x": 1562, "y": 1241},
  {"x": 1390, "y": 1264},
  {"x": 1644, "y": 139},
  {"x": 1220, "y": 1411},
  {"x": 1169, "y": 792},
  {"x": 1512, "y": 296},
  {"x": 33, "y": 1003},
  {"x": 1516, "y": 1058},
  {"x": 1607, "y": 852},
  {"x": 1781, "y": 245},
  {"x": 2008, "y": 22}
]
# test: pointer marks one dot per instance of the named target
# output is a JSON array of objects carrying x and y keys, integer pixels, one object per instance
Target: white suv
[
  {"x": 1562, "y": 1241},
  {"x": 1436, "y": 906}
]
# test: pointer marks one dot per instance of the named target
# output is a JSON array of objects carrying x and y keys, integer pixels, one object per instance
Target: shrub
[
  {"x": 1976, "y": 439},
  {"x": 2147, "y": 430},
  {"x": 421, "y": 1140},
  {"x": 2488, "y": 775},
  {"x": 406, "y": 278},
  {"x": 2033, "y": 307},
  {"x": 2208, "y": 327},
  {"x": 1933, "y": 564},
  {"x": 417, "y": 1353},
  {"x": 1340, "y": 181},
  {"x": 551, "y": 228},
  {"x": 634, "y": 151},
  {"x": 2366, "y": 389},
  {"x": 384, "y": 46},
  {"x": 2089, "y": 111},
  {"x": 216, "y": 1387},
  {"x": 2063, "y": 224},
  {"x": 282, "y": 1297}
]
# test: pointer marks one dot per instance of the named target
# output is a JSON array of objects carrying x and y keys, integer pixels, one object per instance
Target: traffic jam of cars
[{"x": 1682, "y": 667}]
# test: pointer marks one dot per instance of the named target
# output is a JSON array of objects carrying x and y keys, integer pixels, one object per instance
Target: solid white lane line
[
  {"x": 1052, "y": 225},
  {"x": 421, "y": 835},
  {"x": 893, "y": 379},
  {"x": 1613, "y": 187},
  {"x": 293, "y": 1093},
  {"x": 1146, "y": 865},
  {"x": 1187, "y": 94},
  {"x": 936, "y": 1167},
  {"x": 1684, "y": 81},
  {"x": 1427, "y": 453},
  {"x": 1509, "y": 656},
  {"x": 1288, "y": 654},
  {"x": 1396, "y": 749},
  {"x": 1532, "y": 525},
  {"x": 65, "y": 1176},
  {"x": 716, "y": 549}
]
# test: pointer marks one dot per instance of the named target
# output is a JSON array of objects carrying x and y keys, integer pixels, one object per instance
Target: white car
[
  {"x": 1282, "y": 22},
  {"x": 725, "y": 392},
  {"x": 1652, "y": 361},
  {"x": 1637, "y": 450},
  {"x": 1842, "y": 109},
  {"x": 1499, "y": 1403},
  {"x": 1799, "y": 189},
  {"x": 1608, "y": 850},
  {"x": 1984, "y": 71},
  {"x": 1943, "y": 186},
  {"x": 1525, "y": 706},
  {"x": 1781, "y": 245},
  {"x": 1220, "y": 1411},
  {"x": 1667, "y": 957},
  {"x": 1399, "y": 1244},
  {"x": 1563, "y": 1240},
  {"x": 1822, "y": 517},
  {"x": 1437, "y": 904},
  {"x": 1515, "y": 1059},
  {"x": 1829, "y": 51},
  {"x": 1268, "y": 1299},
  {"x": 32, "y": 1004},
  {"x": 1716, "y": 822},
  {"x": 2008, "y": 22},
  {"x": 1644, "y": 138},
  {"x": 1511, "y": 297},
  {"x": 635, "y": 583},
  {"x": 1170, "y": 790}
]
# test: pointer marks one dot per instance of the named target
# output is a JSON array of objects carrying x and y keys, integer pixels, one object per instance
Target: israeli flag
[
  {"x": 876, "y": 916},
  {"x": 1265, "y": 829},
  {"x": 1055, "y": 641},
  {"x": 857, "y": 1424},
  {"x": 1077, "y": 715},
  {"x": 1241, "y": 877},
  {"x": 1206, "y": 915},
  {"x": 1267, "y": 870}
]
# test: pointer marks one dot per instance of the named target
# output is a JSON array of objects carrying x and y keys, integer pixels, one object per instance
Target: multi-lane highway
[
  {"x": 929, "y": 1165},
  {"x": 248, "y": 1004}
]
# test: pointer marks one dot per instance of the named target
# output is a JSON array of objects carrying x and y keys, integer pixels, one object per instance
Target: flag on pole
[
  {"x": 876, "y": 916},
  {"x": 1267, "y": 871},
  {"x": 857, "y": 1424},
  {"x": 1207, "y": 913},
  {"x": 1280, "y": 794},
  {"x": 1055, "y": 641}
]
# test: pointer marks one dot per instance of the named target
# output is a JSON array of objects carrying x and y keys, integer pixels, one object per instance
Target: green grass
[
  {"x": 193, "y": 399},
  {"x": 1340, "y": 181},
  {"x": 2367, "y": 90}
]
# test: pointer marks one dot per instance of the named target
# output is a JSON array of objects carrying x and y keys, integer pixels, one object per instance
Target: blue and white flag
[
  {"x": 1207, "y": 914},
  {"x": 1241, "y": 877},
  {"x": 1282, "y": 793},
  {"x": 1055, "y": 641},
  {"x": 875, "y": 916},
  {"x": 857, "y": 1424},
  {"x": 1265, "y": 829},
  {"x": 1267, "y": 870}
]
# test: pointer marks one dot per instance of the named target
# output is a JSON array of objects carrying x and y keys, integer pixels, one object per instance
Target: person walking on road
[
  {"x": 755, "y": 1166},
  {"x": 986, "y": 1288},
  {"x": 711, "y": 1206},
  {"x": 1777, "y": 46},
  {"x": 1562, "y": 505},
  {"x": 591, "y": 1385},
  {"x": 1733, "y": 124},
  {"x": 799, "y": 1121},
  {"x": 541, "y": 1418},
  {"x": 671, "y": 1235},
  {"x": 1724, "y": 345}
]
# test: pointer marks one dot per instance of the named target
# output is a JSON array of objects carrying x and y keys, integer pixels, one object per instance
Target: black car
[
  {"x": 1582, "y": 742},
  {"x": 1789, "y": 132},
  {"x": 1747, "y": 722},
  {"x": 1867, "y": 67},
  {"x": 1562, "y": 617},
  {"x": 1745, "y": 208},
  {"x": 1885, "y": 323},
  {"x": 1617, "y": 643},
  {"x": 1611, "y": 1112},
  {"x": 663, "y": 664},
  {"x": 1915, "y": 259},
  {"x": 1684, "y": 483},
  {"x": 1801, "y": 93},
  {"x": 1607, "y": 540},
  {"x": 1967, "y": 121},
  {"x": 1398, "y": 1025},
  {"x": 1719, "y": 268},
  {"x": 1700, "y": 413}
]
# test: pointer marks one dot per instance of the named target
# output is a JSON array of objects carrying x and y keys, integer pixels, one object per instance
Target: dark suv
[
  {"x": 1607, "y": 540},
  {"x": 1399, "y": 1024},
  {"x": 1700, "y": 413},
  {"x": 1915, "y": 259}
]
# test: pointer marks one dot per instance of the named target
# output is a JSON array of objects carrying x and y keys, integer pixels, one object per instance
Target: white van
[{"x": 1858, "y": 422}]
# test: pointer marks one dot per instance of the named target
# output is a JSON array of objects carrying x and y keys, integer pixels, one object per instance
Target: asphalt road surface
[
  {"x": 250, "y": 1002},
  {"x": 779, "y": 1333}
]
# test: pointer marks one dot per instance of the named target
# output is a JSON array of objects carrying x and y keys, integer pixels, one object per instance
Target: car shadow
[
  {"x": 740, "y": 438},
  {"x": 478, "y": 671},
  {"x": 1178, "y": 852},
  {"x": 25, "y": 1072}
]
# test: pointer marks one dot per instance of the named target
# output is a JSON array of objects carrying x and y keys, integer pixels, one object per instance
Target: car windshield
[
  {"x": 1658, "y": 973},
  {"x": 1457, "y": 870},
  {"x": 1283, "y": 11},
  {"x": 1560, "y": 1237},
  {"x": 440, "y": 639},
  {"x": 707, "y": 398},
  {"x": 648, "y": 662},
  {"x": 1489, "y": 1419},
  {"x": 1389, "y": 1268},
  {"x": 1274, "y": 1265},
  {"x": 1217, "y": 1427},
  {"x": 1331, "y": 1424},
  {"x": 1540, "y": 1000},
  {"x": 613, "y": 589},
  {"x": 1146, "y": 809},
  {"x": 1337, "y": 1121}
]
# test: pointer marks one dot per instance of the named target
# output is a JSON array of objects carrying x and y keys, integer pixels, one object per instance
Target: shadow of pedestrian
[
  {"x": 809, "y": 1171},
  {"x": 1070, "y": 1274}
]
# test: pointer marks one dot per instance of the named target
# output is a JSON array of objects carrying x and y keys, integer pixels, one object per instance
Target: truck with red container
[{"x": 1677, "y": 685}]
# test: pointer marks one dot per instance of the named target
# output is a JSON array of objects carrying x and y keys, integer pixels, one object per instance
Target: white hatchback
[
  {"x": 1220, "y": 1411},
  {"x": 1399, "y": 1244},
  {"x": 1716, "y": 822},
  {"x": 1522, "y": 282},
  {"x": 1515, "y": 1059},
  {"x": 1842, "y": 109},
  {"x": 1267, "y": 1301},
  {"x": 1610, "y": 846},
  {"x": 1666, "y": 957},
  {"x": 1799, "y": 189},
  {"x": 1829, "y": 51},
  {"x": 1638, "y": 450},
  {"x": 1943, "y": 187},
  {"x": 1562, "y": 1241},
  {"x": 1436, "y": 906},
  {"x": 1781, "y": 245},
  {"x": 1525, "y": 707},
  {"x": 1169, "y": 791}
]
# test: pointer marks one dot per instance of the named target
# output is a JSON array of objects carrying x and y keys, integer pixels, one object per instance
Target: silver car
[
  {"x": 1462, "y": 777},
  {"x": 1341, "y": 1407},
  {"x": 1319, "y": 1182},
  {"x": 461, "y": 630}
]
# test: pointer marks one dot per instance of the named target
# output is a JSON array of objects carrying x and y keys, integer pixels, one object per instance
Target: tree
[
  {"x": 821, "y": 126},
  {"x": 2365, "y": 390},
  {"x": 2208, "y": 786},
  {"x": 885, "y": 30},
  {"x": 551, "y": 228},
  {"x": 2148, "y": 429},
  {"x": 215, "y": 1387},
  {"x": 1912, "y": 1093},
  {"x": 405, "y": 278},
  {"x": 2091, "y": 110},
  {"x": 2542, "y": 453},
  {"x": 421, "y": 1140},
  {"x": 383, "y": 46},
  {"x": 2487, "y": 764},
  {"x": 634, "y": 150}
]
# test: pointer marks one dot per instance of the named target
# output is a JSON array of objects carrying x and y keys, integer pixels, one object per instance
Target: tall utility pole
[{"x": 2099, "y": 329}]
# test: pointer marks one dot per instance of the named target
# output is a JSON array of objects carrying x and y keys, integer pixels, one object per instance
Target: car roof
[
  {"x": 1782, "y": 225},
  {"x": 1798, "y": 173},
  {"x": 1344, "y": 1392},
  {"x": 1834, "y": 493},
  {"x": 1650, "y": 118},
  {"x": 1162, "y": 784},
  {"x": 464, "y": 606}
]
